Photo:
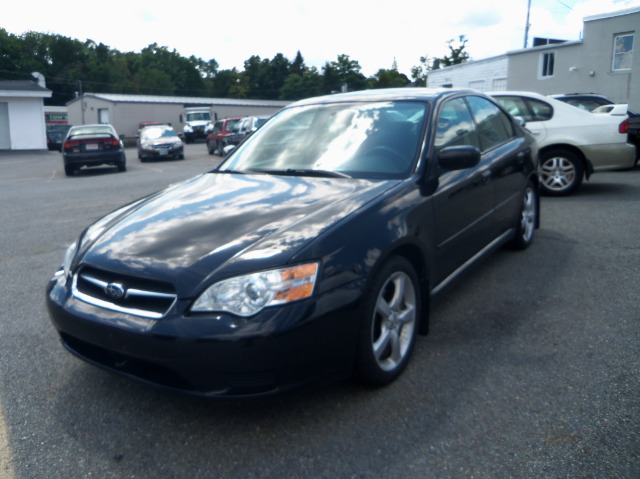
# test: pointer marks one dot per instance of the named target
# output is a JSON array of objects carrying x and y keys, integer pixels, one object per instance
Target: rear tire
[
  {"x": 69, "y": 170},
  {"x": 391, "y": 312},
  {"x": 561, "y": 172}
]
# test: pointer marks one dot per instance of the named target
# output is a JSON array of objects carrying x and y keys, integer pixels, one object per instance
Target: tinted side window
[
  {"x": 516, "y": 106},
  {"x": 455, "y": 126},
  {"x": 541, "y": 110},
  {"x": 494, "y": 127}
]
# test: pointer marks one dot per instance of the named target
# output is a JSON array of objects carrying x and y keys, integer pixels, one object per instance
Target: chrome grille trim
[{"x": 132, "y": 292}]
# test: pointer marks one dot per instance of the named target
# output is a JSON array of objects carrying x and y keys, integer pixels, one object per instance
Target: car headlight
[
  {"x": 187, "y": 129},
  {"x": 249, "y": 294},
  {"x": 68, "y": 258}
]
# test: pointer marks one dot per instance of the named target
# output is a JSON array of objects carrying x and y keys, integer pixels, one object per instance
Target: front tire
[
  {"x": 527, "y": 219},
  {"x": 391, "y": 312},
  {"x": 561, "y": 172}
]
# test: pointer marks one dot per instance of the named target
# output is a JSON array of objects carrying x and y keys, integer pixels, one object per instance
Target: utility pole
[{"x": 526, "y": 27}]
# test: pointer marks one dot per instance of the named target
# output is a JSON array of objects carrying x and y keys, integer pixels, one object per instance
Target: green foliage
[
  {"x": 457, "y": 55},
  {"x": 72, "y": 67},
  {"x": 388, "y": 79}
]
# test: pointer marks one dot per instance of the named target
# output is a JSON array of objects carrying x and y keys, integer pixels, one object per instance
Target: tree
[
  {"x": 388, "y": 79},
  {"x": 420, "y": 72},
  {"x": 306, "y": 85},
  {"x": 456, "y": 55},
  {"x": 344, "y": 71}
]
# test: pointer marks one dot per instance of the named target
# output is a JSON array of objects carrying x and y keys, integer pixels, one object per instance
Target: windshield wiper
[
  {"x": 306, "y": 172},
  {"x": 235, "y": 172}
]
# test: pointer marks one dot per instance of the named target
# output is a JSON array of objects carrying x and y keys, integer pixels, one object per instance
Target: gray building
[
  {"x": 604, "y": 61},
  {"x": 125, "y": 112},
  {"x": 22, "y": 125}
]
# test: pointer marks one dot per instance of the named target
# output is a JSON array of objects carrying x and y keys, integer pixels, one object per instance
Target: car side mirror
[
  {"x": 520, "y": 121},
  {"x": 458, "y": 157}
]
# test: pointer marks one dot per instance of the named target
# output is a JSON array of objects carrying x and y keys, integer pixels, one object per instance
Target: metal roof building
[{"x": 125, "y": 112}]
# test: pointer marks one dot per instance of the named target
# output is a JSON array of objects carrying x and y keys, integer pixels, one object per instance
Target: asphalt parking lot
[{"x": 531, "y": 369}]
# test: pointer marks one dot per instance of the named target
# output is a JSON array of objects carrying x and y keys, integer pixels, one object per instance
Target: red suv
[{"x": 220, "y": 128}]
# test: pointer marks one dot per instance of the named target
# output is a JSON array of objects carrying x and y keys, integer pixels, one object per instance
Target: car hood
[
  {"x": 221, "y": 224},
  {"x": 165, "y": 140}
]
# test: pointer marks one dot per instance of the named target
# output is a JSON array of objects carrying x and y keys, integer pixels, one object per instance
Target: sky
[{"x": 375, "y": 33}]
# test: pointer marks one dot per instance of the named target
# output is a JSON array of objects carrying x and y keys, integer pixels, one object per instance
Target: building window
[
  {"x": 103, "y": 116},
  {"x": 622, "y": 52},
  {"x": 548, "y": 61},
  {"x": 499, "y": 84}
]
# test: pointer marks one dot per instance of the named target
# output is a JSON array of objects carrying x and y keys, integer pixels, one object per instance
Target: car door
[
  {"x": 463, "y": 200},
  {"x": 508, "y": 153}
]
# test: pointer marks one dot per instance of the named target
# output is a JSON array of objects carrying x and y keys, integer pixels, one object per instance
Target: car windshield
[
  {"x": 153, "y": 133},
  {"x": 198, "y": 117},
  {"x": 59, "y": 128},
  {"x": 372, "y": 140}
]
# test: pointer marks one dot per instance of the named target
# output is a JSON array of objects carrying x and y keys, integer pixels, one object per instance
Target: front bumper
[
  {"x": 161, "y": 152},
  {"x": 218, "y": 354}
]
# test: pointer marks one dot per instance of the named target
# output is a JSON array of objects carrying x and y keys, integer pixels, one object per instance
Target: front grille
[{"x": 123, "y": 293}]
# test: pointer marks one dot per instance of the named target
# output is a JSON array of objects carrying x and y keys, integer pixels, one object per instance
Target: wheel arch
[
  {"x": 587, "y": 166},
  {"x": 417, "y": 258}
]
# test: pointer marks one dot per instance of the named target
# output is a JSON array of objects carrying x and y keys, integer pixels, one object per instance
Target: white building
[
  {"x": 22, "y": 125},
  {"x": 606, "y": 60}
]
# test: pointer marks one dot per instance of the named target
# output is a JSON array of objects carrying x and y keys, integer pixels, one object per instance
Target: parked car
[
  {"x": 584, "y": 101},
  {"x": 221, "y": 128},
  {"x": 627, "y": 125},
  {"x": 242, "y": 129},
  {"x": 159, "y": 142},
  {"x": 310, "y": 253},
  {"x": 92, "y": 145},
  {"x": 56, "y": 135},
  {"x": 573, "y": 143}
]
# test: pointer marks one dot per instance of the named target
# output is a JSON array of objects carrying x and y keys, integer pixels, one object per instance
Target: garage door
[{"x": 5, "y": 139}]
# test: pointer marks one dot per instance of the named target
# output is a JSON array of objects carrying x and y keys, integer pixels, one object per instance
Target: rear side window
[
  {"x": 541, "y": 110},
  {"x": 526, "y": 108},
  {"x": 494, "y": 127}
]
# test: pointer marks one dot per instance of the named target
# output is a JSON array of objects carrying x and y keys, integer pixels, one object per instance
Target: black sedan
[
  {"x": 159, "y": 142},
  {"x": 92, "y": 145},
  {"x": 310, "y": 253}
]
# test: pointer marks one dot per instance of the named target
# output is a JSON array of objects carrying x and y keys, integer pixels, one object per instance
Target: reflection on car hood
[{"x": 221, "y": 224}]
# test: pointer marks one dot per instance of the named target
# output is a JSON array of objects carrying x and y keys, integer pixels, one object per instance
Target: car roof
[{"x": 418, "y": 93}]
